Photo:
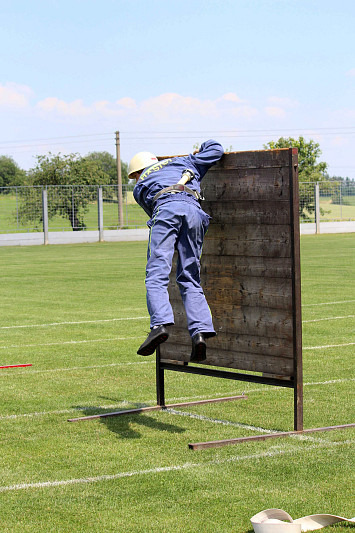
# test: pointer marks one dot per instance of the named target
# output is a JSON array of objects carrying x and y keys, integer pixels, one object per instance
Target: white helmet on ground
[{"x": 141, "y": 161}]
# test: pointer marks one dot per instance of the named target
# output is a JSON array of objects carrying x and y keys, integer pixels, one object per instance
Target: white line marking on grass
[
  {"x": 219, "y": 421},
  {"x": 238, "y": 424},
  {"x": 328, "y": 346},
  {"x": 74, "y": 323},
  {"x": 169, "y": 400},
  {"x": 328, "y": 303},
  {"x": 330, "y": 382},
  {"x": 172, "y": 468},
  {"x": 66, "y": 342},
  {"x": 68, "y": 369},
  {"x": 328, "y": 318},
  {"x": 123, "y": 403}
]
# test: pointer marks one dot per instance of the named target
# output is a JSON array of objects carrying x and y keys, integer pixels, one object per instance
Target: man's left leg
[{"x": 189, "y": 246}]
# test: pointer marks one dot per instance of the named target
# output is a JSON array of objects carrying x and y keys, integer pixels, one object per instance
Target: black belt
[{"x": 177, "y": 188}]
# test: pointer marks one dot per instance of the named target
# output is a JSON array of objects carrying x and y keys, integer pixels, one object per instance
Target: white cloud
[
  {"x": 351, "y": 72},
  {"x": 14, "y": 95},
  {"x": 279, "y": 106},
  {"x": 75, "y": 108},
  {"x": 339, "y": 141},
  {"x": 283, "y": 101},
  {"x": 277, "y": 112},
  {"x": 231, "y": 97},
  {"x": 167, "y": 107}
]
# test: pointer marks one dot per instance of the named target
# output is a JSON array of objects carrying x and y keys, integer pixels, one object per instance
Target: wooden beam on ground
[{"x": 220, "y": 443}]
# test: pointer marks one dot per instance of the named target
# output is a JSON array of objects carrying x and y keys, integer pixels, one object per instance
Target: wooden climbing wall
[{"x": 250, "y": 268}]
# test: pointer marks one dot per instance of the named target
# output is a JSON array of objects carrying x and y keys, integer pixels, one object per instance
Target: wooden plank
[
  {"x": 247, "y": 184},
  {"x": 237, "y": 266},
  {"x": 255, "y": 292},
  {"x": 247, "y": 361},
  {"x": 229, "y": 341},
  {"x": 256, "y": 321},
  {"x": 248, "y": 212},
  {"x": 248, "y": 240},
  {"x": 254, "y": 159},
  {"x": 248, "y": 159}
]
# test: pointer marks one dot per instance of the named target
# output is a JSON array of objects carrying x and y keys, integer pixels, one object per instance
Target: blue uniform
[{"x": 177, "y": 222}]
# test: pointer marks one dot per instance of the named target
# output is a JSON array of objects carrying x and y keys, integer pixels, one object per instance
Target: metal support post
[
  {"x": 100, "y": 214},
  {"x": 119, "y": 180},
  {"x": 317, "y": 207},
  {"x": 160, "y": 380},
  {"x": 45, "y": 215}
]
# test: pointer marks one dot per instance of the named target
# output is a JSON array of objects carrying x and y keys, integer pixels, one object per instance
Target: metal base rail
[{"x": 220, "y": 443}]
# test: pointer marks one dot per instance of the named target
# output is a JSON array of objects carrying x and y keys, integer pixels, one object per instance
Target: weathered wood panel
[
  {"x": 254, "y": 159},
  {"x": 249, "y": 240},
  {"x": 244, "y": 320},
  {"x": 248, "y": 266},
  {"x": 248, "y": 212},
  {"x": 248, "y": 291},
  {"x": 237, "y": 343},
  {"x": 236, "y": 266},
  {"x": 248, "y": 184},
  {"x": 231, "y": 359}
]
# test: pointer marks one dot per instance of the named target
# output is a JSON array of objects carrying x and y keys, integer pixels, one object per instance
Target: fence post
[
  {"x": 119, "y": 180},
  {"x": 45, "y": 215},
  {"x": 100, "y": 214},
  {"x": 317, "y": 207}
]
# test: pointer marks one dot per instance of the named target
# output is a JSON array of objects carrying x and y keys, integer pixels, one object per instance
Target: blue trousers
[{"x": 179, "y": 225}]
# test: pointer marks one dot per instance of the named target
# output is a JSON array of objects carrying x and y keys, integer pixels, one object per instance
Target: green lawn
[{"x": 77, "y": 313}]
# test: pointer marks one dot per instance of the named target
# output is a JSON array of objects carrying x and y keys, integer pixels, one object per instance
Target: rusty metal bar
[
  {"x": 159, "y": 408},
  {"x": 201, "y": 370},
  {"x": 160, "y": 384},
  {"x": 220, "y": 443}
]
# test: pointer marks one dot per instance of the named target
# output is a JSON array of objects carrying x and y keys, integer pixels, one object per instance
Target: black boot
[
  {"x": 155, "y": 337},
  {"x": 198, "y": 348}
]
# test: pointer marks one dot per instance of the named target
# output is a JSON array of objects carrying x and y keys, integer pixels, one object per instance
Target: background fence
[
  {"x": 79, "y": 208},
  {"x": 68, "y": 208}
]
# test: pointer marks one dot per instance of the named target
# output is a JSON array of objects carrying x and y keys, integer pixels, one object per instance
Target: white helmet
[{"x": 141, "y": 161}]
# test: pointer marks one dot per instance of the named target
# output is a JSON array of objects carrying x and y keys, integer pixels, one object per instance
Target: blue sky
[{"x": 169, "y": 74}]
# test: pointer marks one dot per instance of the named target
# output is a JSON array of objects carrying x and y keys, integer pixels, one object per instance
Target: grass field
[{"x": 77, "y": 313}]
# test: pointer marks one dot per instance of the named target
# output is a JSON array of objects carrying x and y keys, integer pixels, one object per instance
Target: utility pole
[{"x": 119, "y": 180}]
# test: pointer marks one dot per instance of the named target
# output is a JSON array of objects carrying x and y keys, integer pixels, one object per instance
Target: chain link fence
[
  {"x": 75, "y": 208},
  {"x": 70, "y": 208},
  {"x": 336, "y": 201}
]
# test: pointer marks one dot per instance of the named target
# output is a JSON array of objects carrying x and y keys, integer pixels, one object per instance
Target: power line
[{"x": 184, "y": 133}]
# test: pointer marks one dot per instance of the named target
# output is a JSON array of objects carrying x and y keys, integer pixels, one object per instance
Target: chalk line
[
  {"x": 328, "y": 318},
  {"x": 328, "y": 303},
  {"x": 171, "y": 468},
  {"x": 66, "y": 342},
  {"x": 328, "y": 346},
  {"x": 74, "y": 323}
]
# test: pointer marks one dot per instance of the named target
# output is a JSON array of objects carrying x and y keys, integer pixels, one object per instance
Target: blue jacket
[{"x": 169, "y": 171}]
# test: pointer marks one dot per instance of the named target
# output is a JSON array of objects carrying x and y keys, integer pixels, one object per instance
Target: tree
[
  {"x": 309, "y": 171},
  {"x": 108, "y": 164},
  {"x": 11, "y": 174},
  {"x": 68, "y": 202}
]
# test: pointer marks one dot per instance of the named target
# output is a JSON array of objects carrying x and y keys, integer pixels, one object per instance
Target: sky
[{"x": 169, "y": 74}]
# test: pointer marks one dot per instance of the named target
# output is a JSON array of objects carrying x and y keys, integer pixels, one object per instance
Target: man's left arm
[{"x": 209, "y": 153}]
